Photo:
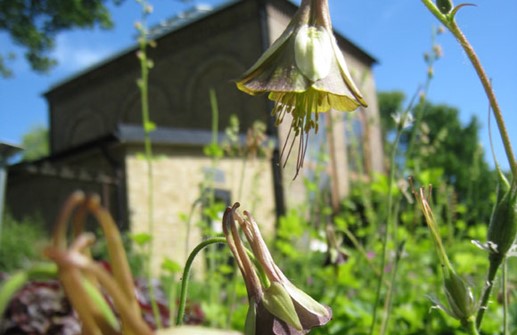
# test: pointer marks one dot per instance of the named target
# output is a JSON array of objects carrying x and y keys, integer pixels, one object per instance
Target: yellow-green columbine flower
[
  {"x": 277, "y": 307},
  {"x": 305, "y": 73}
]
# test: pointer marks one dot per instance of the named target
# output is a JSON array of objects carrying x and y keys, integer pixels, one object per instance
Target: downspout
[{"x": 272, "y": 130}]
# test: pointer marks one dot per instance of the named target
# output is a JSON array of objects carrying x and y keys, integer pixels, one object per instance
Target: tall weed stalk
[{"x": 148, "y": 126}]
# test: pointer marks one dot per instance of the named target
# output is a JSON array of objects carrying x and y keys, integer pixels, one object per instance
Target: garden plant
[{"x": 403, "y": 253}]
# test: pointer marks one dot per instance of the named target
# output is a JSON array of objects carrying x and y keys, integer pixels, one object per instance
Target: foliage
[
  {"x": 34, "y": 24},
  {"x": 446, "y": 144},
  {"x": 136, "y": 257},
  {"x": 41, "y": 307},
  {"x": 21, "y": 242},
  {"x": 390, "y": 103},
  {"x": 347, "y": 287},
  {"x": 35, "y": 143}
]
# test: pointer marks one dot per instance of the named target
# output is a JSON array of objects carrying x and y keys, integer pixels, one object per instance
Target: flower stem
[
  {"x": 148, "y": 154},
  {"x": 391, "y": 290},
  {"x": 470, "y": 327},
  {"x": 505, "y": 297},
  {"x": 387, "y": 231},
  {"x": 186, "y": 274},
  {"x": 492, "y": 271},
  {"x": 450, "y": 23},
  {"x": 362, "y": 251}
]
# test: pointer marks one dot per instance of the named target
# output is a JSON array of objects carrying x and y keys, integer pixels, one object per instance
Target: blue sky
[{"x": 397, "y": 33}]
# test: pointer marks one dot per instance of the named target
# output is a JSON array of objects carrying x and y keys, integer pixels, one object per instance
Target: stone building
[{"x": 96, "y": 137}]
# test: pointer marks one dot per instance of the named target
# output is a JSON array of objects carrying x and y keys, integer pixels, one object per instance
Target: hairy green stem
[
  {"x": 198, "y": 201},
  {"x": 420, "y": 108},
  {"x": 450, "y": 23},
  {"x": 506, "y": 330},
  {"x": 470, "y": 327},
  {"x": 386, "y": 236},
  {"x": 172, "y": 299},
  {"x": 391, "y": 291},
  {"x": 492, "y": 272},
  {"x": 212, "y": 258},
  {"x": 148, "y": 153},
  {"x": 361, "y": 250},
  {"x": 186, "y": 274}
]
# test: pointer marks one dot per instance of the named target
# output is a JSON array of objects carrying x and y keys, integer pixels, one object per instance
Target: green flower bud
[
  {"x": 445, "y": 6},
  {"x": 459, "y": 297},
  {"x": 502, "y": 230}
]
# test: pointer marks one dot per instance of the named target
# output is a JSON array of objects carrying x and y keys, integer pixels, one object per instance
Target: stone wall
[{"x": 178, "y": 176}]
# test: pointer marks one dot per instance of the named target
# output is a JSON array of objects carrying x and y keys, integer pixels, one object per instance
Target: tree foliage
[
  {"x": 443, "y": 143},
  {"x": 33, "y": 25},
  {"x": 35, "y": 143}
]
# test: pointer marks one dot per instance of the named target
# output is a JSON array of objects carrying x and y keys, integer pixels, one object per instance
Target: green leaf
[
  {"x": 149, "y": 126},
  {"x": 170, "y": 266},
  {"x": 141, "y": 239},
  {"x": 213, "y": 150}
]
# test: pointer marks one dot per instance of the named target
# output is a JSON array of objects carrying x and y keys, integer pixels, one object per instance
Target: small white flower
[{"x": 403, "y": 120}]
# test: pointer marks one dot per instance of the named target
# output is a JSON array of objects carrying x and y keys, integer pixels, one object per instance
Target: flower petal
[
  {"x": 310, "y": 312},
  {"x": 339, "y": 83},
  {"x": 275, "y": 70},
  {"x": 278, "y": 302},
  {"x": 313, "y": 52}
]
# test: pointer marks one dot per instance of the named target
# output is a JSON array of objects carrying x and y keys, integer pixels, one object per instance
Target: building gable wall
[{"x": 207, "y": 55}]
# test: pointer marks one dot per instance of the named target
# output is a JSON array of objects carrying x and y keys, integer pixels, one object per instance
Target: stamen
[
  {"x": 285, "y": 145},
  {"x": 290, "y": 147},
  {"x": 301, "y": 107}
]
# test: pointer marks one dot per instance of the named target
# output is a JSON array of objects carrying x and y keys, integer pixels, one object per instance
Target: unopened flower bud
[
  {"x": 438, "y": 51},
  {"x": 430, "y": 72},
  {"x": 459, "y": 297},
  {"x": 445, "y": 6},
  {"x": 427, "y": 58},
  {"x": 421, "y": 97},
  {"x": 502, "y": 230}
]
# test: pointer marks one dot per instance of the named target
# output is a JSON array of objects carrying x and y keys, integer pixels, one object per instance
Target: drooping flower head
[
  {"x": 277, "y": 307},
  {"x": 305, "y": 73}
]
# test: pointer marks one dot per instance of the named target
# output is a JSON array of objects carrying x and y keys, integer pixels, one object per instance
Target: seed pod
[
  {"x": 502, "y": 230},
  {"x": 445, "y": 6},
  {"x": 462, "y": 304}
]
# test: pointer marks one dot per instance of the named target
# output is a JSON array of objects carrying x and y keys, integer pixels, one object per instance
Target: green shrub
[{"x": 21, "y": 242}]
